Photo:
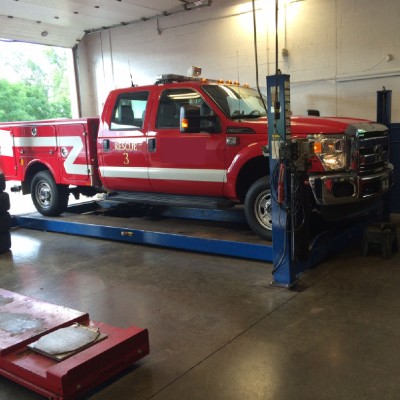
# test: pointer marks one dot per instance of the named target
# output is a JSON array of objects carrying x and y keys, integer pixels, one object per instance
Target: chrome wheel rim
[
  {"x": 43, "y": 194},
  {"x": 263, "y": 209}
]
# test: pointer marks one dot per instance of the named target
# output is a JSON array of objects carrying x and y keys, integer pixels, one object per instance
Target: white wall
[{"x": 337, "y": 51}]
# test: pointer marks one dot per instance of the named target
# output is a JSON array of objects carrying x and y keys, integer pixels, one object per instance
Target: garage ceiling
[{"x": 64, "y": 22}]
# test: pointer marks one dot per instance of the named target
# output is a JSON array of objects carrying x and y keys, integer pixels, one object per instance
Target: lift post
[{"x": 278, "y": 104}]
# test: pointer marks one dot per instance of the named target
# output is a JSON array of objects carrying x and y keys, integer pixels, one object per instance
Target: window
[
  {"x": 129, "y": 111},
  {"x": 170, "y": 103},
  {"x": 237, "y": 102}
]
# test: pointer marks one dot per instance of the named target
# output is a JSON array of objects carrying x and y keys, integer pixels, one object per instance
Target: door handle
[
  {"x": 151, "y": 145},
  {"x": 106, "y": 144}
]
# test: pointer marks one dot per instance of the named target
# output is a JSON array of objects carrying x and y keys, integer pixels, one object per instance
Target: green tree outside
[{"x": 40, "y": 93}]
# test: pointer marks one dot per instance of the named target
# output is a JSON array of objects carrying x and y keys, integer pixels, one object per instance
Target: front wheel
[
  {"x": 258, "y": 208},
  {"x": 49, "y": 198}
]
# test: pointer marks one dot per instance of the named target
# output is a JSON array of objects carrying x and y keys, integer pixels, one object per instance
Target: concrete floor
[{"x": 217, "y": 328}]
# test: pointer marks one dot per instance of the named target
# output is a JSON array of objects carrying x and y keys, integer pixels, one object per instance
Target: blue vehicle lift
[
  {"x": 179, "y": 239},
  {"x": 285, "y": 271}
]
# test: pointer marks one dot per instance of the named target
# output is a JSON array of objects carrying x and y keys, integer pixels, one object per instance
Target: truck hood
[
  {"x": 315, "y": 125},
  {"x": 304, "y": 125}
]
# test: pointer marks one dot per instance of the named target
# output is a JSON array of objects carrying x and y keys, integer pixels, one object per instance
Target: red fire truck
[{"x": 195, "y": 143}]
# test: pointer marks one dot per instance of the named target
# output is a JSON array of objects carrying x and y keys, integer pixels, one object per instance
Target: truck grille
[{"x": 373, "y": 151}]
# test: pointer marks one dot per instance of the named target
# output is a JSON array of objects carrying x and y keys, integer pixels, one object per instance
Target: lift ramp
[{"x": 219, "y": 232}]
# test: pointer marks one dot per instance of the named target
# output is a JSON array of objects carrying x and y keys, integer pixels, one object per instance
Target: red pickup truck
[{"x": 195, "y": 143}]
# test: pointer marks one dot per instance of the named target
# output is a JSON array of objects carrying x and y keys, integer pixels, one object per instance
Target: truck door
[
  {"x": 122, "y": 146},
  {"x": 184, "y": 163}
]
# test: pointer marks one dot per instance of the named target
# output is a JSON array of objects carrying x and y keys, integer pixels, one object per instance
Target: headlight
[{"x": 331, "y": 150}]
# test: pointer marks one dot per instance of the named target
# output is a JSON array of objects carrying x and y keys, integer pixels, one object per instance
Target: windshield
[{"x": 236, "y": 101}]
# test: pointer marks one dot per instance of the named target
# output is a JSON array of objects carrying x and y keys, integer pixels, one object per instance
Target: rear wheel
[
  {"x": 49, "y": 198},
  {"x": 258, "y": 208}
]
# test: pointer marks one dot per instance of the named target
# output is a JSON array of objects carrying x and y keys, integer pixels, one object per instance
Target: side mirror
[{"x": 192, "y": 122}]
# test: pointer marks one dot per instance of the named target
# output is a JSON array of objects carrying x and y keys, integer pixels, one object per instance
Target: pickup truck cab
[{"x": 194, "y": 143}]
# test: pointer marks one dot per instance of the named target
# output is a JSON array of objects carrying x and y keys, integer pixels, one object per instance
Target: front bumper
[{"x": 347, "y": 188}]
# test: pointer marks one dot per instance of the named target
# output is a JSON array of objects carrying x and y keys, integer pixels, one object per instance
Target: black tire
[
  {"x": 5, "y": 242},
  {"x": 4, "y": 202},
  {"x": 49, "y": 198},
  {"x": 258, "y": 208},
  {"x": 5, "y": 222},
  {"x": 2, "y": 182}
]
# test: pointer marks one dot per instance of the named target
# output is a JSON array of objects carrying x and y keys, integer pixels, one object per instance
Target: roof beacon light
[{"x": 174, "y": 78}]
